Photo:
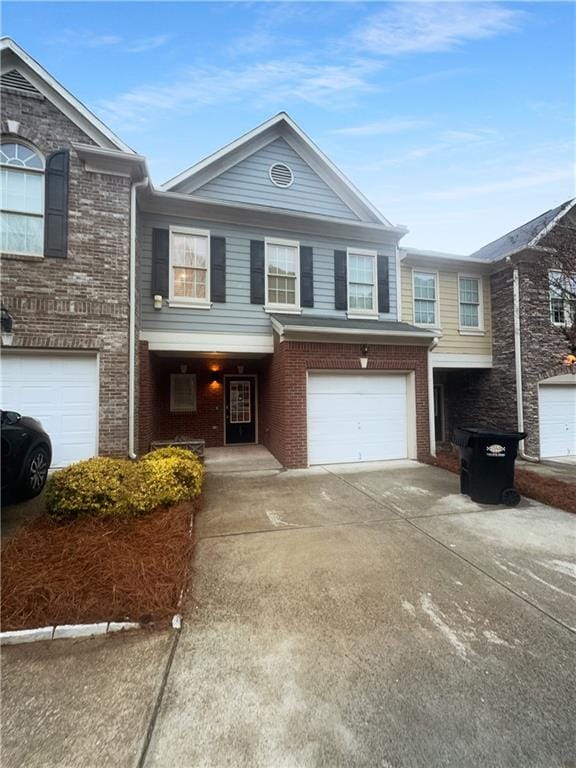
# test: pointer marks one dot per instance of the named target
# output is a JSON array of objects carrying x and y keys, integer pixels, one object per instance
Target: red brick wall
[
  {"x": 80, "y": 302},
  {"x": 283, "y": 391},
  {"x": 157, "y": 422}
]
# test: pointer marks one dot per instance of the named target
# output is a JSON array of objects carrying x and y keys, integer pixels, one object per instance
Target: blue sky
[{"x": 455, "y": 119}]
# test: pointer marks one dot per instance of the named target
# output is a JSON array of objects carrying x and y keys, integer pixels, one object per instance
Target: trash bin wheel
[{"x": 510, "y": 497}]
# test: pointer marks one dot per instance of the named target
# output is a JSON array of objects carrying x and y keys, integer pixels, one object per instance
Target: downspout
[
  {"x": 432, "y": 346},
  {"x": 132, "y": 340},
  {"x": 518, "y": 366}
]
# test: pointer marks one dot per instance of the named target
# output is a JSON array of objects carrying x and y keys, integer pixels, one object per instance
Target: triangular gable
[
  {"x": 282, "y": 135},
  {"x": 21, "y": 71},
  {"x": 301, "y": 189}
]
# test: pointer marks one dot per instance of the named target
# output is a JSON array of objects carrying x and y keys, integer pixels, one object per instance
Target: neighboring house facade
[
  {"x": 523, "y": 353},
  {"x": 271, "y": 310},
  {"x": 65, "y": 250},
  {"x": 450, "y": 295}
]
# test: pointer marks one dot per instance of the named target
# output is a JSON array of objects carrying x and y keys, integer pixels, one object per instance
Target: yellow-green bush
[
  {"x": 164, "y": 481},
  {"x": 92, "y": 487},
  {"x": 106, "y": 487}
]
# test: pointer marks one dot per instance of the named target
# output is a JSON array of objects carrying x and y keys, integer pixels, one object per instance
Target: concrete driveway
[{"x": 352, "y": 617}]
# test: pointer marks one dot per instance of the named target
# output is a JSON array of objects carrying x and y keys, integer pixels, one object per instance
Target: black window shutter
[
  {"x": 257, "y": 272},
  {"x": 383, "y": 283},
  {"x": 218, "y": 269},
  {"x": 306, "y": 276},
  {"x": 56, "y": 204},
  {"x": 340, "y": 280},
  {"x": 160, "y": 261}
]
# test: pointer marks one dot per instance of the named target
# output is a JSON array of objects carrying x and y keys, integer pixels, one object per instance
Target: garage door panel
[
  {"x": 557, "y": 420},
  {"x": 61, "y": 391},
  {"x": 356, "y": 417}
]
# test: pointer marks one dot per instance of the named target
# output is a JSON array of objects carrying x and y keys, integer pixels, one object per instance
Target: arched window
[{"x": 21, "y": 199}]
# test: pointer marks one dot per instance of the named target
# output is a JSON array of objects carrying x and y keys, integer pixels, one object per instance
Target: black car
[{"x": 26, "y": 456}]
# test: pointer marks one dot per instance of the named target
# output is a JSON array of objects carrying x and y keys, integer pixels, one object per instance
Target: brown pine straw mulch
[
  {"x": 542, "y": 488},
  {"x": 93, "y": 570}
]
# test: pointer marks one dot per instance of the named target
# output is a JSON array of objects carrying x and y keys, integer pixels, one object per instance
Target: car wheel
[{"x": 35, "y": 472}]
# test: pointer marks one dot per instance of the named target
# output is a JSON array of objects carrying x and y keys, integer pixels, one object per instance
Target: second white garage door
[
  {"x": 357, "y": 417},
  {"x": 59, "y": 390},
  {"x": 557, "y": 420}
]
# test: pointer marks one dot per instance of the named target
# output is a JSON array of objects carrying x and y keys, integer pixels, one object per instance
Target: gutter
[
  {"x": 132, "y": 321},
  {"x": 431, "y": 426},
  {"x": 518, "y": 367}
]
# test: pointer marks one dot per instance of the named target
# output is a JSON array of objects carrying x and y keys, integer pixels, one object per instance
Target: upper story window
[
  {"x": 362, "y": 282},
  {"x": 470, "y": 302},
  {"x": 21, "y": 199},
  {"x": 425, "y": 285},
  {"x": 282, "y": 274},
  {"x": 189, "y": 266},
  {"x": 562, "y": 298}
]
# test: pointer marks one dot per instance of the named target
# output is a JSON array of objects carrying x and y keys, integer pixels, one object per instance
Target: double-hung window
[
  {"x": 282, "y": 275},
  {"x": 470, "y": 303},
  {"x": 21, "y": 200},
  {"x": 562, "y": 298},
  {"x": 425, "y": 285},
  {"x": 362, "y": 297},
  {"x": 190, "y": 267}
]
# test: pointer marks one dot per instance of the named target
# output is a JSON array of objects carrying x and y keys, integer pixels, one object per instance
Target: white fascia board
[
  {"x": 418, "y": 257},
  {"x": 69, "y": 104},
  {"x": 190, "y": 205},
  {"x": 111, "y": 160},
  {"x": 448, "y": 360},
  {"x": 535, "y": 240},
  {"x": 278, "y": 120},
  {"x": 163, "y": 341},
  {"x": 304, "y": 330}
]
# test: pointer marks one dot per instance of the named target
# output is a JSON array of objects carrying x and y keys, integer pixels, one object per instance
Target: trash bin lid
[{"x": 493, "y": 431}]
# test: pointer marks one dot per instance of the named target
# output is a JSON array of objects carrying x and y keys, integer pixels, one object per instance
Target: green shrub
[
  {"x": 165, "y": 481},
  {"x": 93, "y": 487},
  {"x": 169, "y": 452},
  {"x": 106, "y": 487}
]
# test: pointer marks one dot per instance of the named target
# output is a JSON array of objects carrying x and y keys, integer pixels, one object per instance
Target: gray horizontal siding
[
  {"x": 248, "y": 182},
  {"x": 237, "y": 315}
]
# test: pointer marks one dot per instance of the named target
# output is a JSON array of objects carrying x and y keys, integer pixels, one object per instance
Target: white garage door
[
  {"x": 557, "y": 420},
  {"x": 62, "y": 392},
  {"x": 357, "y": 417}
]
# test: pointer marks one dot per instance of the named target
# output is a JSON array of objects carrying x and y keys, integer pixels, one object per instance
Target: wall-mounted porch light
[
  {"x": 215, "y": 377},
  {"x": 363, "y": 356},
  {"x": 157, "y": 301},
  {"x": 6, "y": 323}
]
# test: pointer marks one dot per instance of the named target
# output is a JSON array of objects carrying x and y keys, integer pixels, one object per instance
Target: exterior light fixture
[
  {"x": 6, "y": 323},
  {"x": 240, "y": 369},
  {"x": 157, "y": 301},
  {"x": 364, "y": 356},
  {"x": 183, "y": 368},
  {"x": 215, "y": 377}
]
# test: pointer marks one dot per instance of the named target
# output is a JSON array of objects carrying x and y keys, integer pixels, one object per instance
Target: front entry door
[{"x": 240, "y": 409}]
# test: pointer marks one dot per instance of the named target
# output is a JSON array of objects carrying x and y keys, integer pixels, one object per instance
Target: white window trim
[
  {"x": 181, "y": 301},
  {"x": 364, "y": 314},
  {"x": 41, "y": 171},
  {"x": 436, "y": 325},
  {"x": 566, "y": 302},
  {"x": 467, "y": 330},
  {"x": 282, "y": 308},
  {"x": 174, "y": 407}
]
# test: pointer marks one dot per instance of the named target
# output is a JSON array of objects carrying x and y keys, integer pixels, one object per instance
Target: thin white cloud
[
  {"x": 525, "y": 181},
  {"x": 405, "y": 28},
  {"x": 272, "y": 82},
  {"x": 382, "y": 127},
  {"x": 79, "y": 39}
]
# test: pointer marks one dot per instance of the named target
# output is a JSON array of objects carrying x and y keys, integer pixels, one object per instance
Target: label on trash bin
[{"x": 496, "y": 451}]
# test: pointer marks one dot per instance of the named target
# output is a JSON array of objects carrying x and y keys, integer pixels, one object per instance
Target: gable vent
[
  {"x": 281, "y": 175},
  {"x": 14, "y": 79}
]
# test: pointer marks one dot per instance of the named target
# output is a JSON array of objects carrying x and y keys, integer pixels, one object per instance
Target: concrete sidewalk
[{"x": 340, "y": 616}]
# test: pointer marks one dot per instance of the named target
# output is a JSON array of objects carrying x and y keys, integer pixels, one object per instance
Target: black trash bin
[{"x": 487, "y": 456}]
